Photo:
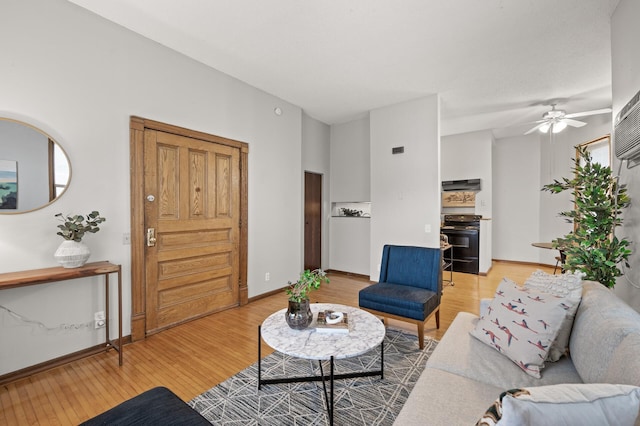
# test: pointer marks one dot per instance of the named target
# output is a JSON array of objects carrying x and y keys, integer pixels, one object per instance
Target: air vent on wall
[{"x": 627, "y": 132}]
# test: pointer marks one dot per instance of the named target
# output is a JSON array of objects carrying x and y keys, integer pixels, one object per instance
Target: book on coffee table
[{"x": 341, "y": 326}]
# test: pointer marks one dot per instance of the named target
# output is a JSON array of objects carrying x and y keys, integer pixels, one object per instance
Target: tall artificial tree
[{"x": 592, "y": 247}]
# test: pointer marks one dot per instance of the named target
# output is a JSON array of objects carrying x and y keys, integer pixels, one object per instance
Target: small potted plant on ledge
[
  {"x": 298, "y": 313},
  {"x": 73, "y": 253}
]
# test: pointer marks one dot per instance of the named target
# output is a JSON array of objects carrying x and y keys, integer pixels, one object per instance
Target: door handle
[{"x": 151, "y": 237}]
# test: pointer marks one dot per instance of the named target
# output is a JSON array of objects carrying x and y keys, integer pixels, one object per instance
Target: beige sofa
[{"x": 464, "y": 376}]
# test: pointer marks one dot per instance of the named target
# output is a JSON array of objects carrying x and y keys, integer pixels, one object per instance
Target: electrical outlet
[
  {"x": 99, "y": 320},
  {"x": 267, "y": 276}
]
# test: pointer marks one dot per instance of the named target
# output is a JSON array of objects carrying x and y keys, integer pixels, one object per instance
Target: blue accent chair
[{"x": 410, "y": 286}]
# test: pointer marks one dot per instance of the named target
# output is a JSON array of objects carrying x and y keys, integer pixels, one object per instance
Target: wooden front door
[
  {"x": 312, "y": 220},
  {"x": 194, "y": 256}
]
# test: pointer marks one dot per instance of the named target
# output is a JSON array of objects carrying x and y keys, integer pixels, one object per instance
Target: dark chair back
[
  {"x": 412, "y": 266},
  {"x": 409, "y": 289}
]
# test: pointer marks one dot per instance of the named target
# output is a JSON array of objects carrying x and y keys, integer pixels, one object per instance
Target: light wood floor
[{"x": 194, "y": 357}]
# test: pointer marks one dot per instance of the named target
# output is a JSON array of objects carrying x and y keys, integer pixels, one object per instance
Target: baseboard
[
  {"x": 520, "y": 262},
  {"x": 355, "y": 276},
  {"x": 360, "y": 277},
  {"x": 267, "y": 294},
  {"x": 57, "y": 362}
]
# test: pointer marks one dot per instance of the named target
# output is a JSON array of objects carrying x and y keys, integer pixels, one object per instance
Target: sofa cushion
[
  {"x": 568, "y": 285},
  {"x": 461, "y": 354},
  {"x": 566, "y": 404},
  {"x": 522, "y": 323},
  {"x": 442, "y": 398},
  {"x": 605, "y": 340}
]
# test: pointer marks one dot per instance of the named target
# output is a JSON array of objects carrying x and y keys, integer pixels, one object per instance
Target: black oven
[{"x": 463, "y": 233}]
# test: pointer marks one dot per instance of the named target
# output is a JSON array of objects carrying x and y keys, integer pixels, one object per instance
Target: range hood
[{"x": 461, "y": 185}]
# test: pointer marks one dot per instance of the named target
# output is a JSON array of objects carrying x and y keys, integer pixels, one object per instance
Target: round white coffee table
[{"x": 365, "y": 333}]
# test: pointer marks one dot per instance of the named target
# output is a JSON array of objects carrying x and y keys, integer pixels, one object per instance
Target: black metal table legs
[{"x": 331, "y": 377}]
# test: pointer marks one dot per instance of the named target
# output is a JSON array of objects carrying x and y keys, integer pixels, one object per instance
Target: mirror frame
[
  {"x": 602, "y": 140},
  {"x": 51, "y": 184}
]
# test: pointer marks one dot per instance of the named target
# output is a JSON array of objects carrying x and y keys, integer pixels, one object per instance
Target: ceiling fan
[{"x": 557, "y": 120}]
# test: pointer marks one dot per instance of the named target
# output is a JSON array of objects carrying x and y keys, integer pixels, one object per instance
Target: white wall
[
  {"x": 625, "y": 34},
  {"x": 405, "y": 188},
  {"x": 468, "y": 156},
  {"x": 485, "y": 261},
  {"x": 516, "y": 205},
  {"x": 350, "y": 181},
  {"x": 350, "y": 244},
  {"x": 350, "y": 161},
  {"x": 316, "y": 158},
  {"x": 522, "y": 213},
  {"x": 79, "y": 78}
]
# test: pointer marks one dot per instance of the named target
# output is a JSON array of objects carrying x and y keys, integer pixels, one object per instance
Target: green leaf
[{"x": 74, "y": 227}]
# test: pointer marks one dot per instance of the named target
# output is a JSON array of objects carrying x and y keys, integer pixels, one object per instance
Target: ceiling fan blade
[
  {"x": 585, "y": 113},
  {"x": 536, "y": 127},
  {"x": 574, "y": 123}
]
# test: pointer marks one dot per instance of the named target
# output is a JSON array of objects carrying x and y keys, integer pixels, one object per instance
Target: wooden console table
[{"x": 49, "y": 275}]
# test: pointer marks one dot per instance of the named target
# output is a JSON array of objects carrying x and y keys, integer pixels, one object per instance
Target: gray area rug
[{"x": 359, "y": 401}]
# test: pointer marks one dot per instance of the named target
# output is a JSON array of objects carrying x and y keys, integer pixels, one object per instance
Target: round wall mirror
[{"x": 34, "y": 169}]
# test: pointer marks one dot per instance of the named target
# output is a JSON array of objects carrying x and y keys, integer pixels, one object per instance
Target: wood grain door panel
[
  {"x": 193, "y": 268},
  {"x": 312, "y": 220}
]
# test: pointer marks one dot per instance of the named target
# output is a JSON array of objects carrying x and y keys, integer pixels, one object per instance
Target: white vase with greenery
[
  {"x": 298, "y": 314},
  {"x": 72, "y": 252}
]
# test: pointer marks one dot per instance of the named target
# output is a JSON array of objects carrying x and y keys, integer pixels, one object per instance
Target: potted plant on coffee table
[
  {"x": 73, "y": 253},
  {"x": 298, "y": 313}
]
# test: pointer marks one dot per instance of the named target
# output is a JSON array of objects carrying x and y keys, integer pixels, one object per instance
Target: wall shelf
[{"x": 352, "y": 209}]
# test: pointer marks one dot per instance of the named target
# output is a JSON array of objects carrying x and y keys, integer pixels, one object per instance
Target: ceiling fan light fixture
[
  {"x": 559, "y": 126},
  {"x": 556, "y": 120}
]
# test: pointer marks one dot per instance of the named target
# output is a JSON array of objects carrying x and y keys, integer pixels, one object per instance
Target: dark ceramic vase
[{"x": 299, "y": 315}]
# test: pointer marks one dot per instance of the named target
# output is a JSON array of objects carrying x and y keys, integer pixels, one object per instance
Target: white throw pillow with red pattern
[{"x": 522, "y": 323}]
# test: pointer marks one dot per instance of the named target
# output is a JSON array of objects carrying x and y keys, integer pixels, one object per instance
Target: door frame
[
  {"x": 320, "y": 177},
  {"x": 137, "y": 126}
]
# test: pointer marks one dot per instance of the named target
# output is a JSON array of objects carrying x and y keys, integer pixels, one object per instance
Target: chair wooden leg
[
  {"x": 438, "y": 318},
  {"x": 421, "y": 335}
]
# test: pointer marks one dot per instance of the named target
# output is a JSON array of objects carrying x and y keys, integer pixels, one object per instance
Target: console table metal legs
[
  {"x": 111, "y": 343},
  {"x": 328, "y": 395}
]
